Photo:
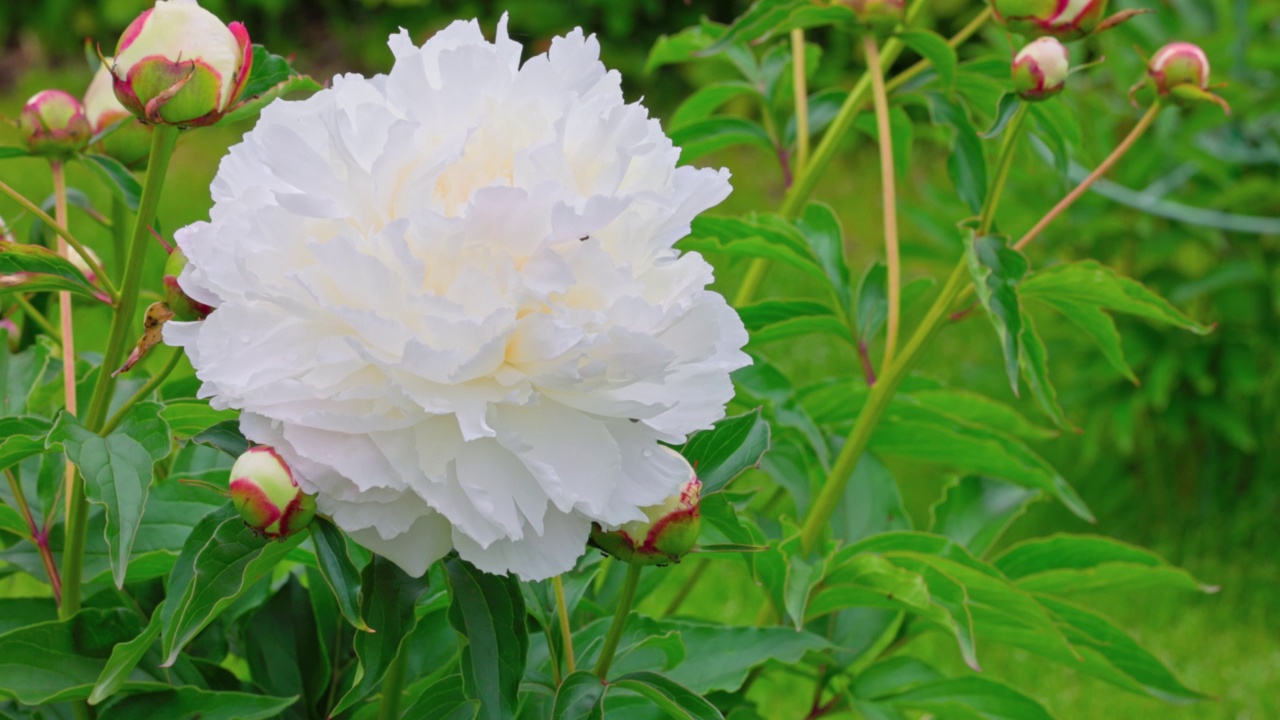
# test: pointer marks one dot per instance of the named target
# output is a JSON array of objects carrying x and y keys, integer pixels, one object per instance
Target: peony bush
[{"x": 463, "y": 386}]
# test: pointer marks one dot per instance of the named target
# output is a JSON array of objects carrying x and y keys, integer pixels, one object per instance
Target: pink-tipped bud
[
  {"x": 130, "y": 140},
  {"x": 266, "y": 495},
  {"x": 54, "y": 123},
  {"x": 1176, "y": 64},
  {"x": 1040, "y": 69},
  {"x": 1062, "y": 19},
  {"x": 668, "y": 532},
  {"x": 85, "y": 269},
  {"x": 178, "y": 64},
  {"x": 184, "y": 308}
]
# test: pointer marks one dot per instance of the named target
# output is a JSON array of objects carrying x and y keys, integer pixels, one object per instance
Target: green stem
[
  {"x": 63, "y": 233},
  {"x": 154, "y": 382},
  {"x": 37, "y": 317},
  {"x": 119, "y": 232},
  {"x": 683, "y": 593},
  {"x": 393, "y": 686},
  {"x": 619, "y": 622},
  {"x": 965, "y": 33},
  {"x": 800, "y": 95},
  {"x": 1011, "y": 136},
  {"x": 162, "y": 142},
  {"x": 888, "y": 189},
  {"x": 807, "y": 179},
  {"x": 566, "y": 630},
  {"x": 39, "y": 538}
]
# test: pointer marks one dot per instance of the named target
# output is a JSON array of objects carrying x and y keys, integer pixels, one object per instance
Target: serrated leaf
[
  {"x": 488, "y": 612},
  {"x": 32, "y": 268},
  {"x": 580, "y": 696},
  {"x": 117, "y": 472},
  {"x": 387, "y": 599},
  {"x": 934, "y": 48},
  {"x": 221, "y": 559},
  {"x": 192, "y": 703},
  {"x": 339, "y": 571},
  {"x": 677, "y": 700},
  {"x": 975, "y": 511},
  {"x": 728, "y": 448}
]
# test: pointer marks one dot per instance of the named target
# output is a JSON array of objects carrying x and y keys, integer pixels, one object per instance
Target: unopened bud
[
  {"x": 184, "y": 308},
  {"x": 78, "y": 260},
  {"x": 178, "y": 64},
  {"x": 668, "y": 533},
  {"x": 267, "y": 497},
  {"x": 54, "y": 123},
  {"x": 1063, "y": 19},
  {"x": 130, "y": 141},
  {"x": 1180, "y": 71},
  {"x": 1040, "y": 69},
  {"x": 882, "y": 14}
]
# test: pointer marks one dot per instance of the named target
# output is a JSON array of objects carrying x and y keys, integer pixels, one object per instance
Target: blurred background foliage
[{"x": 1186, "y": 462}]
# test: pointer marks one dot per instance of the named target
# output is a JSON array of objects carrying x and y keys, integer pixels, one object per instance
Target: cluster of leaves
[{"x": 188, "y": 613}]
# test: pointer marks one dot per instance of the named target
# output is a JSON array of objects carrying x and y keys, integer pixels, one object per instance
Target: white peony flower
[{"x": 447, "y": 296}]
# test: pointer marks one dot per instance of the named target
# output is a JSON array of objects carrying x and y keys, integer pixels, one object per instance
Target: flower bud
[
  {"x": 53, "y": 123},
  {"x": 131, "y": 140},
  {"x": 78, "y": 260},
  {"x": 1040, "y": 69},
  {"x": 266, "y": 495},
  {"x": 877, "y": 13},
  {"x": 184, "y": 308},
  {"x": 1180, "y": 71},
  {"x": 1063, "y": 19},
  {"x": 178, "y": 64},
  {"x": 668, "y": 533}
]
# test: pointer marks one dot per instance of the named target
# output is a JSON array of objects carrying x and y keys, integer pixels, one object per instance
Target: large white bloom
[{"x": 448, "y": 297}]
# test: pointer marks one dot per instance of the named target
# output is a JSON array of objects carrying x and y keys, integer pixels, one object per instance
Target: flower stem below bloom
[
  {"x": 887, "y": 187},
  {"x": 66, "y": 329},
  {"x": 619, "y": 622},
  {"x": 800, "y": 90},
  {"x": 566, "y": 630},
  {"x": 1011, "y": 135}
]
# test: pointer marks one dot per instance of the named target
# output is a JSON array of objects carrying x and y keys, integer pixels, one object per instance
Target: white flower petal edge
[{"x": 448, "y": 297}]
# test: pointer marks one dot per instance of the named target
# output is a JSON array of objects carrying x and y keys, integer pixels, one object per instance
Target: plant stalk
[
  {"x": 619, "y": 622},
  {"x": 1101, "y": 170},
  {"x": 1011, "y": 136},
  {"x": 66, "y": 329},
  {"x": 888, "y": 188},
  {"x": 965, "y": 33},
  {"x": 152, "y": 383},
  {"x": 39, "y": 537},
  {"x": 566, "y": 630},
  {"x": 162, "y": 143},
  {"x": 800, "y": 88},
  {"x": 30, "y": 311},
  {"x": 393, "y": 686}
]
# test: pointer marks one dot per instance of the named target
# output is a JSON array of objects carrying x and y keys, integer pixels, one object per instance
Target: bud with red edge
[
  {"x": 54, "y": 123},
  {"x": 178, "y": 64},
  {"x": 1065, "y": 20},
  {"x": 130, "y": 141},
  {"x": 1040, "y": 69},
  {"x": 668, "y": 532},
  {"x": 266, "y": 495},
  {"x": 183, "y": 306},
  {"x": 1180, "y": 71}
]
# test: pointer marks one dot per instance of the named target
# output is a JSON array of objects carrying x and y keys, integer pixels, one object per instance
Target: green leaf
[
  {"x": 1064, "y": 564},
  {"x": 13, "y": 523},
  {"x": 975, "y": 511},
  {"x": 870, "y": 505},
  {"x": 970, "y": 408},
  {"x": 873, "y": 301},
  {"x": 822, "y": 230},
  {"x": 679, "y": 48},
  {"x": 285, "y": 654},
  {"x": 678, "y": 701},
  {"x": 800, "y": 326},
  {"x": 719, "y": 657},
  {"x": 723, "y": 452},
  {"x": 189, "y": 418},
  {"x": 445, "y": 699},
  {"x": 997, "y": 269},
  {"x": 35, "y": 269},
  {"x": 271, "y": 77},
  {"x": 124, "y": 658},
  {"x": 754, "y": 236},
  {"x": 581, "y": 695},
  {"x": 1110, "y": 654},
  {"x": 772, "y": 312},
  {"x": 117, "y": 472},
  {"x": 717, "y": 133},
  {"x": 1099, "y": 327},
  {"x": 488, "y": 612},
  {"x": 893, "y": 676},
  {"x": 338, "y": 569},
  {"x": 1005, "y": 110},
  {"x": 224, "y": 436},
  {"x": 703, "y": 103},
  {"x": 222, "y": 558},
  {"x": 115, "y": 176},
  {"x": 1035, "y": 368},
  {"x": 967, "y": 164},
  {"x": 974, "y": 697},
  {"x": 387, "y": 599},
  {"x": 21, "y": 438},
  {"x": 8, "y": 151},
  {"x": 767, "y": 18},
  {"x": 1092, "y": 283},
  {"x": 19, "y": 376},
  {"x": 934, "y": 48},
  {"x": 60, "y": 660},
  {"x": 192, "y": 703}
]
